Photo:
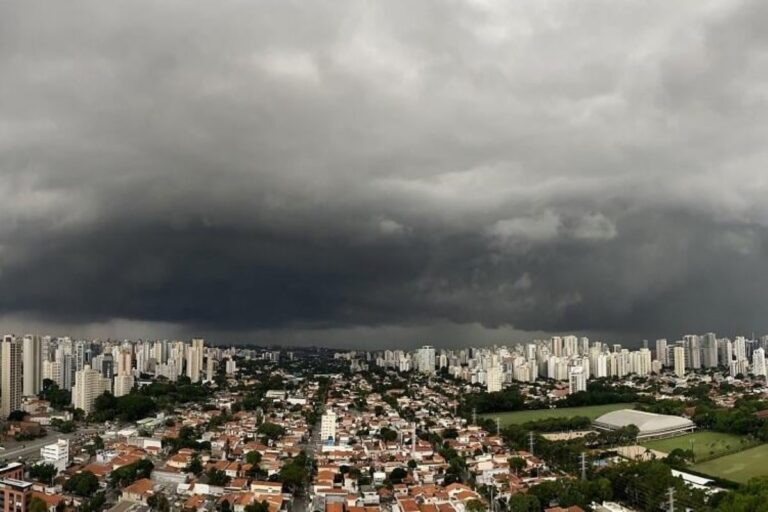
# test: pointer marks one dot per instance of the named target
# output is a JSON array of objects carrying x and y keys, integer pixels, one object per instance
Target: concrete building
[
  {"x": 577, "y": 379},
  {"x": 679, "y": 361},
  {"x": 494, "y": 379},
  {"x": 425, "y": 358},
  {"x": 193, "y": 364},
  {"x": 328, "y": 427},
  {"x": 758, "y": 362},
  {"x": 650, "y": 425},
  {"x": 32, "y": 369},
  {"x": 89, "y": 384},
  {"x": 56, "y": 454},
  {"x": 11, "y": 382}
]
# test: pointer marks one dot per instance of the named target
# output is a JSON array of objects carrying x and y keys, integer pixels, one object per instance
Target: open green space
[
  {"x": 704, "y": 444},
  {"x": 589, "y": 411},
  {"x": 737, "y": 467}
]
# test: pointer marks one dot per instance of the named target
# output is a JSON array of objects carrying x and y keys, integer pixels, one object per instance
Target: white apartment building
[
  {"x": 328, "y": 427},
  {"x": 56, "y": 454},
  {"x": 89, "y": 384},
  {"x": 679, "y": 354}
]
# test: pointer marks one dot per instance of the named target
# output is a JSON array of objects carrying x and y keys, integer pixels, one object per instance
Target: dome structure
[{"x": 650, "y": 425}]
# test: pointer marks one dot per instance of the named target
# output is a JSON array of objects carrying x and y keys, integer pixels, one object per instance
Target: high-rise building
[
  {"x": 328, "y": 427},
  {"x": 123, "y": 385},
  {"x": 758, "y": 362},
  {"x": 124, "y": 362},
  {"x": 11, "y": 387},
  {"x": 107, "y": 366},
  {"x": 89, "y": 385},
  {"x": 577, "y": 379},
  {"x": 495, "y": 378},
  {"x": 193, "y": 364},
  {"x": 709, "y": 350},
  {"x": 680, "y": 361},
  {"x": 426, "y": 359},
  {"x": 661, "y": 352},
  {"x": 32, "y": 369},
  {"x": 199, "y": 344}
]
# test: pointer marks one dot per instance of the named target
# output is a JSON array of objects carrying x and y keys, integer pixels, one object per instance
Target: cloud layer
[{"x": 284, "y": 168}]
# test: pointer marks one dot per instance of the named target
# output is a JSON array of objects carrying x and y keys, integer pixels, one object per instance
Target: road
[
  {"x": 302, "y": 503},
  {"x": 32, "y": 448}
]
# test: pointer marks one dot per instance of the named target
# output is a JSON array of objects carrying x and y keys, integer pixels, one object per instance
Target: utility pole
[
  {"x": 493, "y": 503},
  {"x": 583, "y": 465},
  {"x": 498, "y": 425},
  {"x": 671, "y": 492},
  {"x": 530, "y": 442},
  {"x": 474, "y": 415}
]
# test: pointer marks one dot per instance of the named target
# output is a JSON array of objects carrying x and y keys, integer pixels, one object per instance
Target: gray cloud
[{"x": 291, "y": 171}]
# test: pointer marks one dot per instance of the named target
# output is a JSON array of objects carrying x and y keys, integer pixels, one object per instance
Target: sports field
[
  {"x": 704, "y": 444},
  {"x": 520, "y": 417},
  {"x": 737, "y": 467}
]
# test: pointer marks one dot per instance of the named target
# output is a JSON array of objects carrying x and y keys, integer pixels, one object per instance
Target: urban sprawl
[{"x": 565, "y": 424}]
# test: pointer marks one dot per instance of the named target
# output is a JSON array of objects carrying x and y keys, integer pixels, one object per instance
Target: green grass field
[
  {"x": 705, "y": 444},
  {"x": 737, "y": 467},
  {"x": 520, "y": 417}
]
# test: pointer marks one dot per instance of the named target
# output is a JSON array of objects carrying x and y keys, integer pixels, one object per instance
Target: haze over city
[{"x": 394, "y": 173}]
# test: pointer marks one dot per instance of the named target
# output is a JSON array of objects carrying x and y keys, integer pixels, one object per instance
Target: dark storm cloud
[{"x": 293, "y": 169}]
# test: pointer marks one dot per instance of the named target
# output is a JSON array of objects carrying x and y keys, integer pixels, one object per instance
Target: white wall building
[
  {"x": 328, "y": 427},
  {"x": 56, "y": 454}
]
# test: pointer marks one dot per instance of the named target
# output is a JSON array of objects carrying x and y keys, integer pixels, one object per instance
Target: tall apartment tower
[
  {"x": 661, "y": 352},
  {"x": 199, "y": 344},
  {"x": 193, "y": 364},
  {"x": 426, "y": 359},
  {"x": 33, "y": 365},
  {"x": 89, "y": 385},
  {"x": 124, "y": 379},
  {"x": 10, "y": 383},
  {"x": 679, "y": 361},
  {"x": 758, "y": 363}
]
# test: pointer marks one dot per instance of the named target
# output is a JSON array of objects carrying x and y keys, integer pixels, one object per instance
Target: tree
[
  {"x": 17, "y": 416},
  {"x": 475, "y": 506},
  {"x": 159, "y": 502},
  {"x": 126, "y": 475},
  {"x": 271, "y": 431},
  {"x": 37, "y": 505},
  {"x": 43, "y": 472},
  {"x": 387, "y": 434},
  {"x": 517, "y": 464},
  {"x": 82, "y": 484},
  {"x": 217, "y": 477},
  {"x": 195, "y": 466},
  {"x": 397, "y": 475},
  {"x": 523, "y": 503},
  {"x": 257, "y": 506},
  {"x": 253, "y": 457}
]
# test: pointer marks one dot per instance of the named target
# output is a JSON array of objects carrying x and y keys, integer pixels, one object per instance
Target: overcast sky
[{"x": 384, "y": 173}]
